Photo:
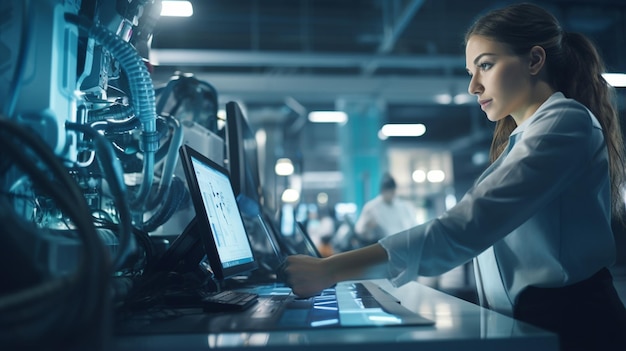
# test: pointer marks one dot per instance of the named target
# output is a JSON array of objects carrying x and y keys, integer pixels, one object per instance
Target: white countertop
[{"x": 458, "y": 325}]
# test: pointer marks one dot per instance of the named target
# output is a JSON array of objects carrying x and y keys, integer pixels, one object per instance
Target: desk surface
[{"x": 458, "y": 325}]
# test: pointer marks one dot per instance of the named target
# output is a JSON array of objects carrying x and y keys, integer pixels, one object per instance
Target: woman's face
[{"x": 500, "y": 80}]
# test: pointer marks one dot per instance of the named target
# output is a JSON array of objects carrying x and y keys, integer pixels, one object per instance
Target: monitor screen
[
  {"x": 242, "y": 156},
  {"x": 225, "y": 240}
]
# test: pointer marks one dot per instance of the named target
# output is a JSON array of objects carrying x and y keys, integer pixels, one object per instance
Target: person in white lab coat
[
  {"x": 385, "y": 214},
  {"x": 537, "y": 222}
]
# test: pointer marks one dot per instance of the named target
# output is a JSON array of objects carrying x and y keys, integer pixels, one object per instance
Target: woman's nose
[{"x": 474, "y": 87}]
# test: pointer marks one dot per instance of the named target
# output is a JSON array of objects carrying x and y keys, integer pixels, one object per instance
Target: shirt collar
[{"x": 554, "y": 97}]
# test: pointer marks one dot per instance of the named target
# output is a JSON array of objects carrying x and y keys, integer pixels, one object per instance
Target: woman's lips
[{"x": 484, "y": 103}]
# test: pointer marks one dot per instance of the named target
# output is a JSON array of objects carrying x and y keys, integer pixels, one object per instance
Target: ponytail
[{"x": 581, "y": 79}]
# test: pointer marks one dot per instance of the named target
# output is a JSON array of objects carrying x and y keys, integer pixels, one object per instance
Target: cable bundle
[{"x": 70, "y": 312}]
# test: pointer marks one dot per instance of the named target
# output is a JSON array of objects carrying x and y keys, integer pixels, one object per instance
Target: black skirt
[{"x": 588, "y": 315}]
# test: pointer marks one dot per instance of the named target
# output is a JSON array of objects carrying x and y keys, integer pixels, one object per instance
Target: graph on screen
[{"x": 225, "y": 220}]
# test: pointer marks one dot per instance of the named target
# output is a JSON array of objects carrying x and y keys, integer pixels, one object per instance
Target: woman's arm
[{"x": 308, "y": 275}]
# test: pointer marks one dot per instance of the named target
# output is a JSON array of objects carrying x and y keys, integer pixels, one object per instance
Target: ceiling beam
[
  {"x": 319, "y": 89},
  {"x": 392, "y": 32},
  {"x": 225, "y": 58}
]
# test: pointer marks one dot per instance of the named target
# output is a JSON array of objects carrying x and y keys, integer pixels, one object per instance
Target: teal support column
[{"x": 362, "y": 160}]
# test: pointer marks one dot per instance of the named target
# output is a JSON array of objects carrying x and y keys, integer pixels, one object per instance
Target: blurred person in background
[{"x": 385, "y": 214}]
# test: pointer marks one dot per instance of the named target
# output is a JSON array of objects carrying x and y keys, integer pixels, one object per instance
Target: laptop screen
[{"x": 226, "y": 242}]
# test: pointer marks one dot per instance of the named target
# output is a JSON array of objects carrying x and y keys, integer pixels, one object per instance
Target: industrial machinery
[{"x": 88, "y": 149}]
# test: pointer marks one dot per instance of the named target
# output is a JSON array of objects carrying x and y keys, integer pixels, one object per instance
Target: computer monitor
[
  {"x": 242, "y": 157},
  {"x": 243, "y": 163},
  {"x": 218, "y": 217}
]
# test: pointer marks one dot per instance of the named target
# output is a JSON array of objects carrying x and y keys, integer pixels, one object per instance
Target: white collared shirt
[
  {"x": 391, "y": 217},
  {"x": 540, "y": 215}
]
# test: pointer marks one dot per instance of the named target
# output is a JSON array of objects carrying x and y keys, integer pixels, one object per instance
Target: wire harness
[{"x": 67, "y": 312}]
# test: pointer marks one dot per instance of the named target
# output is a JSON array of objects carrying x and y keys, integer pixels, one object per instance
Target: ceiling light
[
  {"x": 176, "y": 9},
  {"x": 461, "y": 99},
  {"x": 382, "y": 136},
  {"x": 345, "y": 208},
  {"x": 261, "y": 137},
  {"x": 328, "y": 117},
  {"x": 403, "y": 130},
  {"x": 283, "y": 167},
  {"x": 444, "y": 99},
  {"x": 290, "y": 195},
  {"x": 617, "y": 80},
  {"x": 322, "y": 198},
  {"x": 436, "y": 176},
  {"x": 419, "y": 176},
  {"x": 221, "y": 114}
]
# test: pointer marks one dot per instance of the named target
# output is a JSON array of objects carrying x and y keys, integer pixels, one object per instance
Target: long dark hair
[{"x": 574, "y": 67}]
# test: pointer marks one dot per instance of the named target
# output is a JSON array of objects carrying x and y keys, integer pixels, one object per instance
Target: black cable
[
  {"x": 79, "y": 297},
  {"x": 175, "y": 197},
  {"x": 66, "y": 201},
  {"x": 142, "y": 237},
  {"x": 115, "y": 176}
]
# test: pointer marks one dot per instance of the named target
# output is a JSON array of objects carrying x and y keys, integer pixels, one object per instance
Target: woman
[{"x": 538, "y": 221}]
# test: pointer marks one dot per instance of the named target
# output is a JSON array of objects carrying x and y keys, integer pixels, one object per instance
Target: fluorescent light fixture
[
  {"x": 328, "y": 117},
  {"x": 436, "y": 176},
  {"x": 290, "y": 195},
  {"x": 261, "y": 137},
  {"x": 419, "y": 176},
  {"x": 382, "y": 136},
  {"x": 461, "y": 99},
  {"x": 432, "y": 176},
  {"x": 345, "y": 207},
  {"x": 443, "y": 99},
  {"x": 284, "y": 167},
  {"x": 221, "y": 114},
  {"x": 176, "y": 9},
  {"x": 617, "y": 80},
  {"x": 403, "y": 130},
  {"x": 322, "y": 198}
]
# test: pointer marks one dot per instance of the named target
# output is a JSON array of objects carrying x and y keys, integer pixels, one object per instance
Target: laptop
[{"x": 231, "y": 256}]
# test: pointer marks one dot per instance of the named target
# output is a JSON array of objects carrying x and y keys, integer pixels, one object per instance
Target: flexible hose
[
  {"x": 141, "y": 94},
  {"x": 170, "y": 161},
  {"x": 115, "y": 112},
  {"x": 115, "y": 127}
]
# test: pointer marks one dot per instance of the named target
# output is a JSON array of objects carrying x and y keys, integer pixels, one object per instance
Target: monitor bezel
[
  {"x": 242, "y": 165},
  {"x": 220, "y": 272}
]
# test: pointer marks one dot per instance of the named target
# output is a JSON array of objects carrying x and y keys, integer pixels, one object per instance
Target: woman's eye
[{"x": 485, "y": 66}]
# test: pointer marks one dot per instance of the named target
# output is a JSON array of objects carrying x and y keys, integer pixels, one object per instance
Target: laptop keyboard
[
  {"x": 228, "y": 300},
  {"x": 365, "y": 296},
  {"x": 346, "y": 305}
]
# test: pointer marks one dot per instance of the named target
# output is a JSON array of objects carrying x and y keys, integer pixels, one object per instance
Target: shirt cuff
[{"x": 404, "y": 251}]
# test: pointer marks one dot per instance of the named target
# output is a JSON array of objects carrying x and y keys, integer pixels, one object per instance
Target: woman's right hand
[{"x": 307, "y": 275}]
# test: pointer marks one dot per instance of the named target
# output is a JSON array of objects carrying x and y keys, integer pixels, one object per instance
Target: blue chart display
[{"x": 224, "y": 218}]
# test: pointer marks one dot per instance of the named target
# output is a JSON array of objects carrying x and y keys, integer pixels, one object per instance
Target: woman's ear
[{"x": 537, "y": 59}]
